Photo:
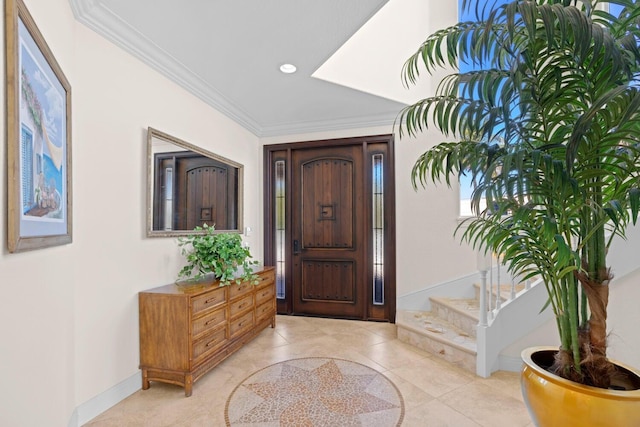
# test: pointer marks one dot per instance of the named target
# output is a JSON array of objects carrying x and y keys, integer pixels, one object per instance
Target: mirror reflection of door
[
  {"x": 193, "y": 190},
  {"x": 188, "y": 186},
  {"x": 329, "y": 228}
]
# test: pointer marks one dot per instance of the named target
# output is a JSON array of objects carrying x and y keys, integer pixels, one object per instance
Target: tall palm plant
[{"x": 548, "y": 128}]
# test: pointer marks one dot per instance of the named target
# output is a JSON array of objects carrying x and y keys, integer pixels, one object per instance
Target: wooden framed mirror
[{"x": 188, "y": 186}]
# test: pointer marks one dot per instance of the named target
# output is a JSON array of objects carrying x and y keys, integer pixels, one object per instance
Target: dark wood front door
[
  {"x": 329, "y": 228},
  {"x": 328, "y": 231}
]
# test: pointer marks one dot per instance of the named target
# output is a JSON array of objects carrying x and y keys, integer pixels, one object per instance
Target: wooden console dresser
[{"x": 187, "y": 330}]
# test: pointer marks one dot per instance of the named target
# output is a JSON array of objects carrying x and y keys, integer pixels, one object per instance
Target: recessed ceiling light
[{"x": 288, "y": 68}]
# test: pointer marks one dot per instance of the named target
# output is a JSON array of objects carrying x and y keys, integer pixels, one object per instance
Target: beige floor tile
[
  {"x": 507, "y": 382},
  {"x": 434, "y": 376},
  {"x": 267, "y": 339},
  {"x": 394, "y": 354},
  {"x": 359, "y": 338},
  {"x": 385, "y": 329},
  {"x": 436, "y": 414},
  {"x": 412, "y": 395},
  {"x": 487, "y": 406}
]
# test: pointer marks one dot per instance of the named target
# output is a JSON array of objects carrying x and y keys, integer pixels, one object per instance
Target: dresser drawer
[
  {"x": 241, "y": 305},
  {"x": 265, "y": 310},
  {"x": 207, "y": 301},
  {"x": 209, "y": 343},
  {"x": 265, "y": 294},
  {"x": 267, "y": 276},
  {"x": 209, "y": 321},
  {"x": 238, "y": 290},
  {"x": 241, "y": 324}
]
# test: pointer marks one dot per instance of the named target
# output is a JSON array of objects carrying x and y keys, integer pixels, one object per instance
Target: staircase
[
  {"x": 448, "y": 329},
  {"x": 446, "y": 320}
]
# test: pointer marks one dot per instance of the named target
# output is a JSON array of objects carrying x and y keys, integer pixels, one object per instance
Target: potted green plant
[
  {"x": 547, "y": 125},
  {"x": 220, "y": 254}
]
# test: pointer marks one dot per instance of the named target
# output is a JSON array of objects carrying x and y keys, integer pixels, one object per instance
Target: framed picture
[{"x": 38, "y": 137}]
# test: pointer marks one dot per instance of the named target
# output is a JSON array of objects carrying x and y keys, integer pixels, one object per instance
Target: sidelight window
[
  {"x": 280, "y": 227},
  {"x": 377, "y": 185},
  {"x": 167, "y": 198}
]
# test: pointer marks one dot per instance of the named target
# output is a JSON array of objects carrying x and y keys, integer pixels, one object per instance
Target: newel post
[{"x": 483, "y": 264}]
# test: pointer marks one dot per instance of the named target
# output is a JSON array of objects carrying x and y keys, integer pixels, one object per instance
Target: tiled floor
[{"x": 435, "y": 393}]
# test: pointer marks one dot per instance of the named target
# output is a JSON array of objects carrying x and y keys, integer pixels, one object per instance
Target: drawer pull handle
[
  {"x": 208, "y": 322},
  {"x": 240, "y": 324},
  {"x": 210, "y": 343},
  {"x": 210, "y": 300}
]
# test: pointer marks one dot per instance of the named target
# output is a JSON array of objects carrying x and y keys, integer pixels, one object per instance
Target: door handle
[{"x": 296, "y": 247}]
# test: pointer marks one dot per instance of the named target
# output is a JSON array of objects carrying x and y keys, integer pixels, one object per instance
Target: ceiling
[{"x": 228, "y": 53}]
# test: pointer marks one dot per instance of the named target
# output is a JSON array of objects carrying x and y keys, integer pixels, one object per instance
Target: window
[
  {"x": 280, "y": 230},
  {"x": 377, "y": 196},
  {"x": 470, "y": 14},
  {"x": 29, "y": 199}
]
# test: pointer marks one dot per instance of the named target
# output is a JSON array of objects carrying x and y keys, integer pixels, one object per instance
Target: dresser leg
[
  {"x": 273, "y": 322},
  {"x": 188, "y": 385},
  {"x": 145, "y": 379}
]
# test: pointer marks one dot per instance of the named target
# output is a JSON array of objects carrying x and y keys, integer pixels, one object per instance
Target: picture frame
[{"x": 39, "y": 197}]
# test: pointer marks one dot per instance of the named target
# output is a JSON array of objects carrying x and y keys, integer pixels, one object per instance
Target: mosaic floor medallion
[{"x": 314, "y": 392}]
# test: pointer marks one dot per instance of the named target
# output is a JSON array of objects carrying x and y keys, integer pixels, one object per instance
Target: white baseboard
[
  {"x": 105, "y": 400},
  {"x": 510, "y": 363},
  {"x": 73, "y": 421}
]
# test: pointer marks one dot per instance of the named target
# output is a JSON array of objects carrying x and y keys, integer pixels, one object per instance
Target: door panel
[
  {"x": 206, "y": 188},
  {"x": 328, "y": 281},
  {"x": 327, "y": 204},
  {"x": 327, "y": 198},
  {"x": 202, "y": 193}
]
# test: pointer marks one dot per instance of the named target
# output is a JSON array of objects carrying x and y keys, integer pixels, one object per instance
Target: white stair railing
[
  {"x": 492, "y": 336},
  {"x": 493, "y": 272}
]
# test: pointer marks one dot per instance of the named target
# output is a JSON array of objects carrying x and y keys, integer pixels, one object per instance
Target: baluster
[
  {"x": 483, "y": 264},
  {"x": 483, "y": 298},
  {"x": 498, "y": 284},
  {"x": 490, "y": 292}
]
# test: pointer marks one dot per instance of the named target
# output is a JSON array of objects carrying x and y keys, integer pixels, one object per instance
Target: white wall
[
  {"x": 624, "y": 318},
  {"x": 68, "y": 315},
  {"x": 624, "y": 294}
]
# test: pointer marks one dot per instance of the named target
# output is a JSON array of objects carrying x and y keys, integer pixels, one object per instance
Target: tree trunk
[{"x": 598, "y": 369}]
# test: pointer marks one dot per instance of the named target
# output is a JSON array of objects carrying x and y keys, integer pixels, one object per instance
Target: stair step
[
  {"x": 427, "y": 331},
  {"x": 505, "y": 290},
  {"x": 463, "y": 313}
]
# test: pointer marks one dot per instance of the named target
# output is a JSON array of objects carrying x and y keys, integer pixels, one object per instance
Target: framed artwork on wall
[{"x": 38, "y": 137}]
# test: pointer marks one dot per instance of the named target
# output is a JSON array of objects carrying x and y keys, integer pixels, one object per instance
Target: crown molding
[
  {"x": 329, "y": 125},
  {"x": 105, "y": 22}
]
